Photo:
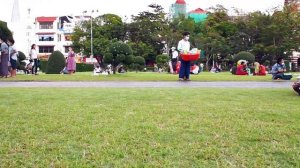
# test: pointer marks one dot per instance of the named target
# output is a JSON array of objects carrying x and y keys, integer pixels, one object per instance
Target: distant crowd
[{"x": 9, "y": 56}]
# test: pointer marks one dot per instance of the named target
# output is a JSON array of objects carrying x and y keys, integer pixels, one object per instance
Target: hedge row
[{"x": 80, "y": 67}]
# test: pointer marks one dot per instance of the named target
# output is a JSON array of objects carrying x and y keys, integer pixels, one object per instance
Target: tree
[
  {"x": 142, "y": 49},
  {"x": 119, "y": 52},
  {"x": 56, "y": 63},
  {"x": 106, "y": 29},
  {"x": 5, "y": 33},
  {"x": 138, "y": 63},
  {"x": 147, "y": 27},
  {"x": 20, "y": 64},
  {"x": 243, "y": 55},
  {"x": 213, "y": 38},
  {"x": 162, "y": 61}
]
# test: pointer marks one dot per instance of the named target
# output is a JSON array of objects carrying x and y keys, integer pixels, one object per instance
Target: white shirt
[
  {"x": 184, "y": 45},
  {"x": 174, "y": 54},
  {"x": 33, "y": 54},
  {"x": 12, "y": 49}
]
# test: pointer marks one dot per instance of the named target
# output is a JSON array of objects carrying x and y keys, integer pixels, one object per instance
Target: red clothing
[
  {"x": 178, "y": 64},
  {"x": 240, "y": 70},
  {"x": 262, "y": 71}
]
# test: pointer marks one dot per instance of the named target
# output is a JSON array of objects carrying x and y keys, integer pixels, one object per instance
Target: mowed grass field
[
  {"x": 140, "y": 76},
  {"x": 182, "y": 127}
]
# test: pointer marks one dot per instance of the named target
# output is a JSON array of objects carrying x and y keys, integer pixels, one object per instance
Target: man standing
[{"x": 184, "y": 47}]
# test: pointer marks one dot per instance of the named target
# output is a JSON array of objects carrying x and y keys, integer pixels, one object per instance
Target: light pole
[{"x": 92, "y": 53}]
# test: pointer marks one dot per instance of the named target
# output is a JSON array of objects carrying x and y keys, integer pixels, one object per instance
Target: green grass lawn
[
  {"x": 140, "y": 76},
  {"x": 182, "y": 127}
]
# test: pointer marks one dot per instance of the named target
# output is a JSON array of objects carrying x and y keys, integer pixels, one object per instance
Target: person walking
[
  {"x": 34, "y": 57},
  {"x": 13, "y": 53},
  {"x": 4, "y": 58},
  {"x": 184, "y": 47},
  {"x": 71, "y": 62}
]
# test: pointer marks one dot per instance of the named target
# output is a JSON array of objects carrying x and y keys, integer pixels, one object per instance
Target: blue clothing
[
  {"x": 279, "y": 75},
  {"x": 4, "y": 60},
  {"x": 184, "y": 72},
  {"x": 276, "y": 68}
]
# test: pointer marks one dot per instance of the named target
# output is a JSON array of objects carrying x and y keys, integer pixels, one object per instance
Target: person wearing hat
[
  {"x": 174, "y": 58},
  {"x": 184, "y": 46}
]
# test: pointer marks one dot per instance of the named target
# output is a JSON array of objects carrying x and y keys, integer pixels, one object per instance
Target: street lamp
[{"x": 92, "y": 53}]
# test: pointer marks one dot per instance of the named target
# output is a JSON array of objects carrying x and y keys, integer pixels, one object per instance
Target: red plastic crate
[{"x": 190, "y": 57}]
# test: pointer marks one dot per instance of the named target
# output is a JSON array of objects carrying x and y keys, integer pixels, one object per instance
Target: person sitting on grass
[
  {"x": 260, "y": 70},
  {"x": 194, "y": 69},
  {"x": 242, "y": 69},
  {"x": 278, "y": 70}
]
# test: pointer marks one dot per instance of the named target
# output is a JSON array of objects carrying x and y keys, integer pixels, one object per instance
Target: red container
[{"x": 190, "y": 57}]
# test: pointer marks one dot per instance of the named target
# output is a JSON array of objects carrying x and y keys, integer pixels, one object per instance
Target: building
[
  {"x": 46, "y": 35},
  {"x": 18, "y": 26},
  {"x": 199, "y": 15},
  {"x": 180, "y": 8},
  {"x": 295, "y": 4},
  {"x": 55, "y": 33},
  {"x": 177, "y": 9}
]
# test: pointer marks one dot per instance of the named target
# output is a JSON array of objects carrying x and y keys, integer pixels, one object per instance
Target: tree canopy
[{"x": 151, "y": 33}]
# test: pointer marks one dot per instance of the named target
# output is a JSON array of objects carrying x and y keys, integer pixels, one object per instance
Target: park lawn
[
  {"x": 159, "y": 127},
  {"x": 140, "y": 76}
]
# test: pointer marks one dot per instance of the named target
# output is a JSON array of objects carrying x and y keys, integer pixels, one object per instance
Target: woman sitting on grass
[
  {"x": 242, "y": 69},
  {"x": 260, "y": 70}
]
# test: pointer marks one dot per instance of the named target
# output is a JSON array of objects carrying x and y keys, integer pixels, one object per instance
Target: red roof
[
  {"x": 180, "y": 2},
  {"x": 198, "y": 11},
  {"x": 46, "y": 19}
]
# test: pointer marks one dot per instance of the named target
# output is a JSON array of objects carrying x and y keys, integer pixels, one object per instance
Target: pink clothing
[{"x": 71, "y": 63}]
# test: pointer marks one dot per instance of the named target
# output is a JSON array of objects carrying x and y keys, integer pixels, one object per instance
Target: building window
[
  {"x": 46, "y": 25},
  {"x": 67, "y": 49},
  {"x": 46, "y": 37},
  {"x": 68, "y": 38},
  {"x": 46, "y": 49}
]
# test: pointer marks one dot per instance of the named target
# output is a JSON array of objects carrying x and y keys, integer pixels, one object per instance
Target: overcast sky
[{"x": 122, "y": 7}]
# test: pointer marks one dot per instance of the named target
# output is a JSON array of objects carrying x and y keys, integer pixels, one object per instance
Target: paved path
[{"x": 117, "y": 84}]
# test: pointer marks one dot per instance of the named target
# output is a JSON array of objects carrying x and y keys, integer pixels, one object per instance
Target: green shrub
[
  {"x": 21, "y": 57},
  {"x": 119, "y": 53},
  {"x": 43, "y": 65},
  {"x": 138, "y": 63},
  {"x": 81, "y": 67},
  {"x": 56, "y": 63},
  {"x": 150, "y": 68},
  {"x": 162, "y": 61},
  {"x": 5, "y": 33},
  {"x": 243, "y": 55}
]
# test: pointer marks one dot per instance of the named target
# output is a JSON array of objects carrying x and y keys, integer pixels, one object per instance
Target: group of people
[
  {"x": 278, "y": 70},
  {"x": 8, "y": 61}
]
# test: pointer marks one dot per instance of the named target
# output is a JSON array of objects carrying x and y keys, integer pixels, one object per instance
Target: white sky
[{"x": 121, "y": 7}]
